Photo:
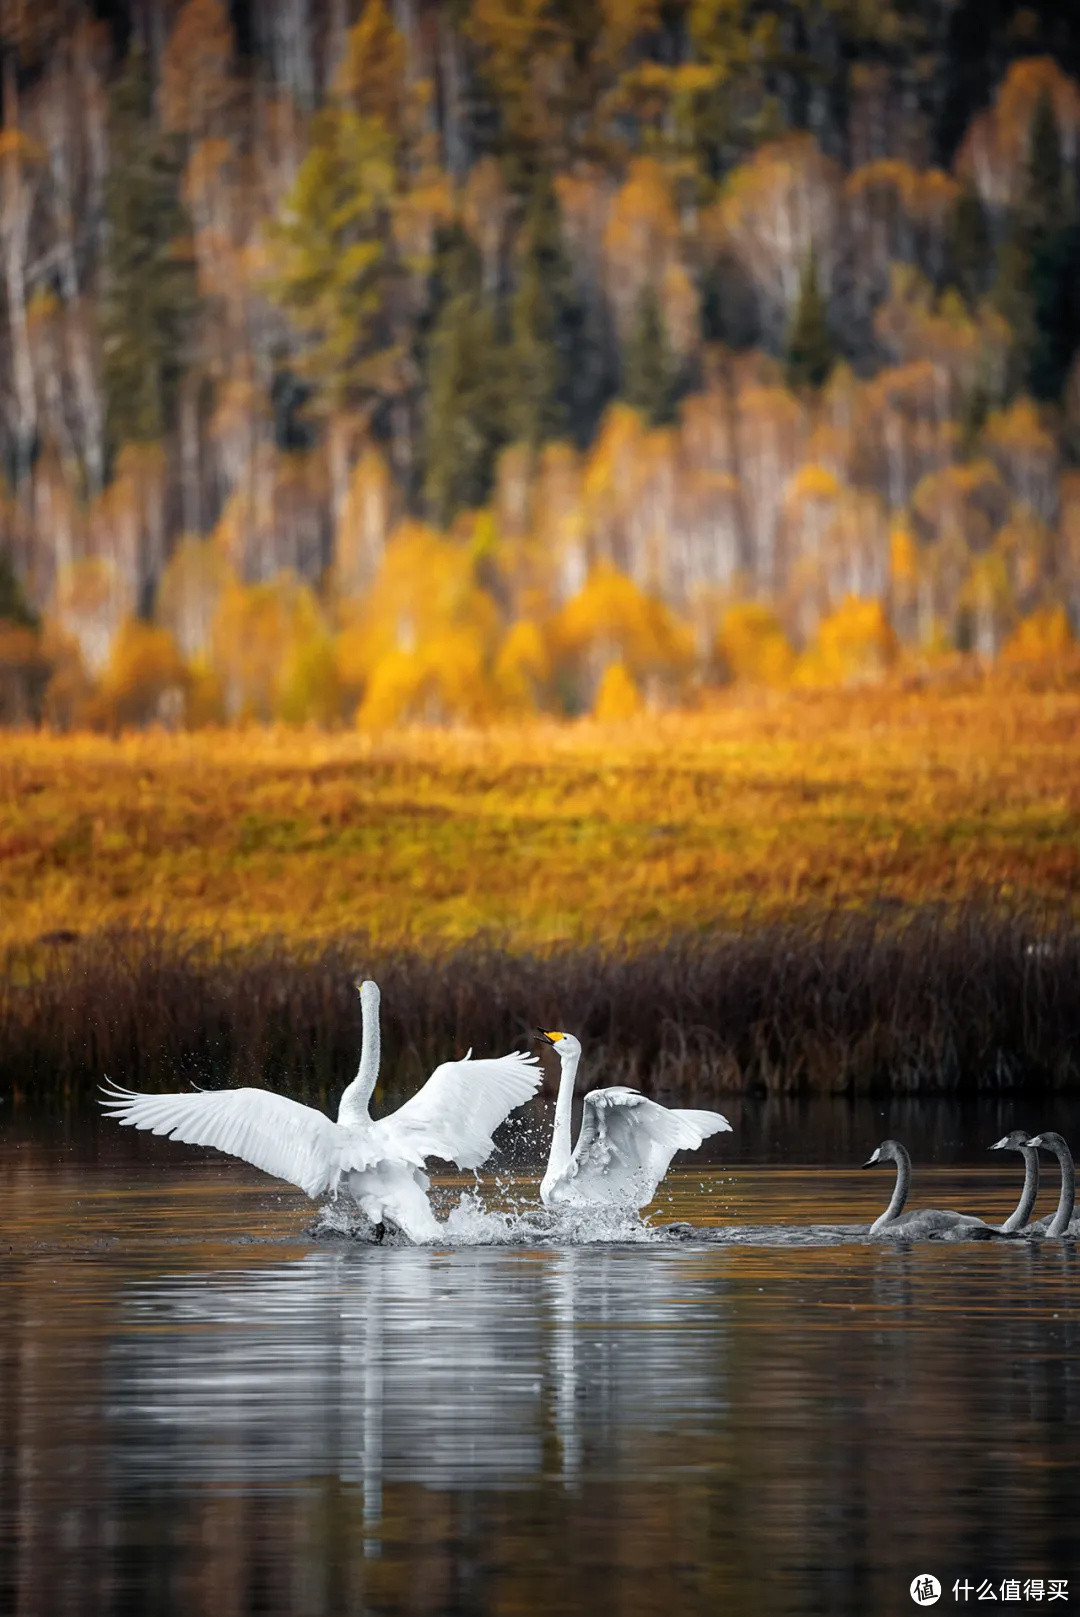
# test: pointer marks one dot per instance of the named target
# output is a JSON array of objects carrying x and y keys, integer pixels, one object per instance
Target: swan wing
[
  {"x": 626, "y": 1145},
  {"x": 279, "y": 1135},
  {"x": 457, "y": 1111}
]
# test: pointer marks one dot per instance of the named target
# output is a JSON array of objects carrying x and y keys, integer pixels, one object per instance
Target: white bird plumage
[
  {"x": 625, "y": 1144},
  {"x": 378, "y": 1161}
]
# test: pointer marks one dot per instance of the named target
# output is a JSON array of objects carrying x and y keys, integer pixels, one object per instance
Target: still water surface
[{"x": 206, "y": 1412}]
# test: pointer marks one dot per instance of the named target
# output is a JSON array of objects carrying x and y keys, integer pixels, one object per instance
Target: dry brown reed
[{"x": 960, "y": 1002}]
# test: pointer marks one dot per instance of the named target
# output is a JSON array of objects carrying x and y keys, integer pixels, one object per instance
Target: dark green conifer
[
  {"x": 810, "y": 351},
  {"x": 649, "y": 369},
  {"x": 968, "y": 246},
  {"x": 1037, "y": 287},
  {"x": 150, "y": 295},
  {"x": 560, "y": 368},
  {"x": 543, "y": 320},
  {"x": 14, "y": 607},
  {"x": 1054, "y": 272},
  {"x": 468, "y": 418}
]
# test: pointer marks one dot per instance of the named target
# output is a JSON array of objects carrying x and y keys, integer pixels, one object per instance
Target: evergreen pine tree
[
  {"x": 543, "y": 319},
  {"x": 468, "y": 419},
  {"x": 559, "y": 364},
  {"x": 150, "y": 297},
  {"x": 13, "y": 603},
  {"x": 337, "y": 273},
  {"x": 649, "y": 370},
  {"x": 968, "y": 245},
  {"x": 1011, "y": 295},
  {"x": 1037, "y": 287},
  {"x": 1045, "y": 191},
  {"x": 1055, "y": 257},
  {"x": 810, "y": 352}
]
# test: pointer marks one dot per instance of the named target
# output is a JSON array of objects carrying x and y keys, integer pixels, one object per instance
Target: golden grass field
[{"x": 754, "y": 809}]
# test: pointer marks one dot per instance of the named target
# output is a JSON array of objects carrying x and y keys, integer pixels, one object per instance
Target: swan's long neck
[
  {"x": 900, "y": 1191},
  {"x": 1067, "y": 1199},
  {"x": 1026, "y": 1204},
  {"x": 561, "y": 1147},
  {"x": 353, "y": 1109}
]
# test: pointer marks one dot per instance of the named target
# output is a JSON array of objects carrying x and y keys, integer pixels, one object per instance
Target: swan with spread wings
[
  {"x": 625, "y": 1144},
  {"x": 378, "y": 1161}
]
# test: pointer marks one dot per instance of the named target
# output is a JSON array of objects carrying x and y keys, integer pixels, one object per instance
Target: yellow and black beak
[{"x": 552, "y": 1038}]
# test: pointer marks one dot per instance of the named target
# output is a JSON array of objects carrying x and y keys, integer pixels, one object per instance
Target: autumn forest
[{"x": 404, "y": 361}]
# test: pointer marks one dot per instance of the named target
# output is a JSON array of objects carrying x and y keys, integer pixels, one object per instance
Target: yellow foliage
[
  {"x": 611, "y": 619},
  {"x": 996, "y": 149},
  {"x": 205, "y": 698},
  {"x": 613, "y": 459},
  {"x": 617, "y": 696},
  {"x": 853, "y": 644},
  {"x": 1045, "y": 633},
  {"x": 195, "y": 87},
  {"x": 903, "y": 556},
  {"x": 258, "y": 642},
  {"x": 522, "y": 668},
  {"x": 189, "y": 592},
  {"x": 146, "y": 679},
  {"x": 442, "y": 682},
  {"x": 752, "y": 646},
  {"x": 309, "y": 688},
  {"x": 70, "y": 701},
  {"x": 395, "y": 691},
  {"x": 812, "y": 482},
  {"x": 426, "y": 586}
]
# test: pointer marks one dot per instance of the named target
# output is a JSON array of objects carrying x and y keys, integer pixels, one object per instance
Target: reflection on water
[{"x": 202, "y": 1413}]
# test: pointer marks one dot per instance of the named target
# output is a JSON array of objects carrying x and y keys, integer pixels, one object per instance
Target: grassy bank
[
  {"x": 546, "y": 836},
  {"x": 965, "y": 1003}
]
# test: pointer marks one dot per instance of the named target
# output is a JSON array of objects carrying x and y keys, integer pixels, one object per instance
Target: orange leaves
[
  {"x": 264, "y": 652},
  {"x": 146, "y": 679},
  {"x": 751, "y": 646},
  {"x": 962, "y": 505},
  {"x": 642, "y": 249},
  {"x": 196, "y": 88},
  {"x": 617, "y": 695},
  {"x": 854, "y": 644},
  {"x": 522, "y": 669},
  {"x": 1044, "y": 634},
  {"x": 371, "y": 76},
  {"x": 612, "y": 620},
  {"x": 995, "y": 151},
  {"x": 775, "y": 210},
  {"x": 421, "y": 645}
]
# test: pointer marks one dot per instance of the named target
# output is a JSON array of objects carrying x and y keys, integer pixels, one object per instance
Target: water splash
[{"x": 470, "y": 1221}]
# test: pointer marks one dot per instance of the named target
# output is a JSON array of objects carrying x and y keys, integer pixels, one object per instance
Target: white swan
[
  {"x": 625, "y": 1145},
  {"x": 380, "y": 1162},
  {"x": 928, "y": 1222}
]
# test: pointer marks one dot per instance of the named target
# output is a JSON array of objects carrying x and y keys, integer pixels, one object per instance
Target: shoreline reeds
[{"x": 961, "y": 1002}]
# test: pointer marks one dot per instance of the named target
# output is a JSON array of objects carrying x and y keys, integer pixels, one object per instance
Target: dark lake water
[{"x": 207, "y": 1412}]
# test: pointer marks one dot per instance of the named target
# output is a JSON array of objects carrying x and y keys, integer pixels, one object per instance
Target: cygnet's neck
[
  {"x": 1066, "y": 1201},
  {"x": 900, "y": 1190},
  {"x": 1025, "y": 1206}
]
